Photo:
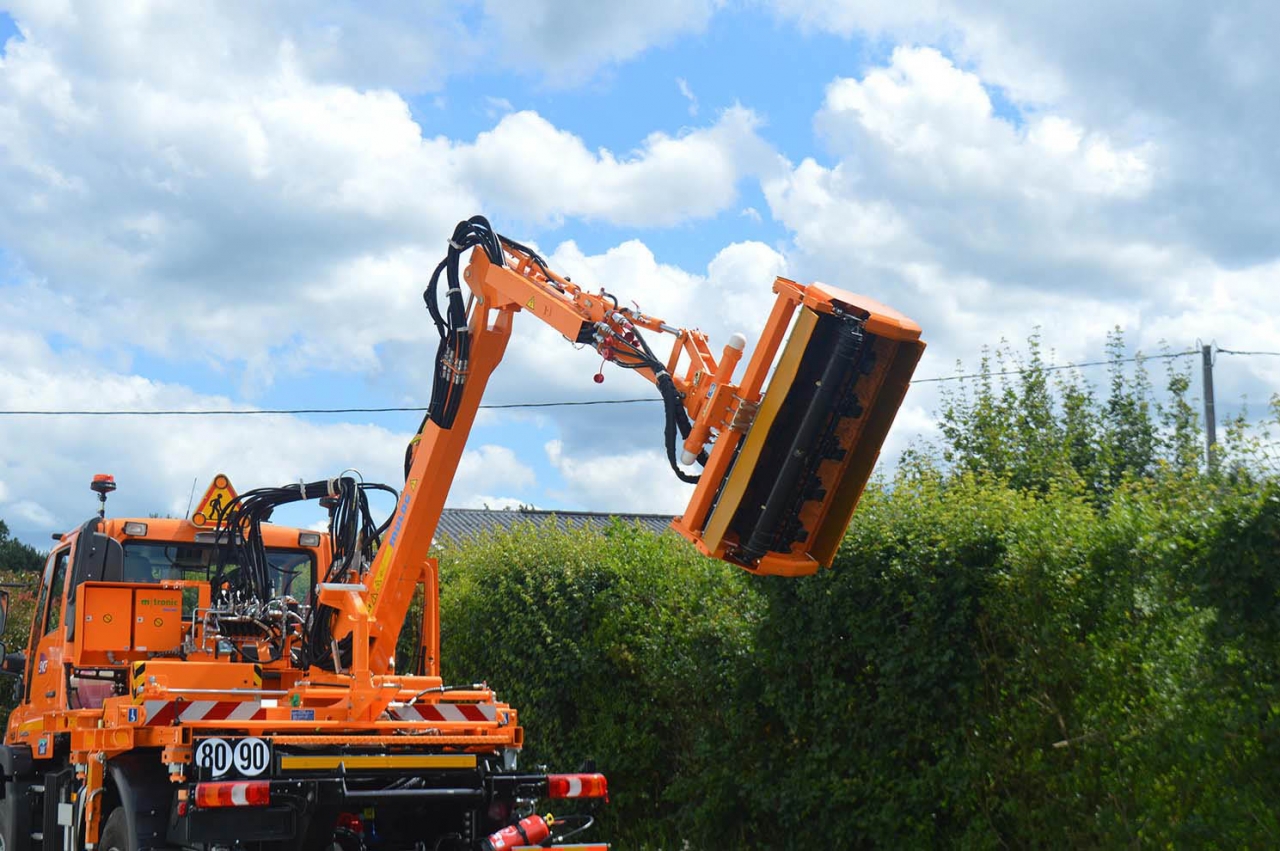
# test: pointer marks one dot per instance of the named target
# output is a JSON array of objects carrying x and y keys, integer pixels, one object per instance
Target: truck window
[
  {"x": 152, "y": 561},
  {"x": 57, "y": 586},
  {"x": 290, "y": 572}
]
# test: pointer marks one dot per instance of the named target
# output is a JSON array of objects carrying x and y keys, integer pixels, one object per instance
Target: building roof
[{"x": 461, "y": 523}]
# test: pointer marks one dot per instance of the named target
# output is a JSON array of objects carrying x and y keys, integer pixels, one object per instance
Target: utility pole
[{"x": 1210, "y": 418}]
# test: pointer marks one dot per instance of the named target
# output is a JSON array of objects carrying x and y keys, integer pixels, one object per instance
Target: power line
[
  {"x": 1056, "y": 367},
  {"x": 576, "y": 403},
  {"x": 261, "y": 411}
]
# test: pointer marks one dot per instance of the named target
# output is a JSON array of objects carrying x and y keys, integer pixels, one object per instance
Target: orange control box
[
  {"x": 157, "y": 619},
  {"x": 125, "y": 622}
]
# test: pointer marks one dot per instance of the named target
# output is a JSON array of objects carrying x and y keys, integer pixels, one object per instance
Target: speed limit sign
[
  {"x": 215, "y": 755},
  {"x": 249, "y": 757}
]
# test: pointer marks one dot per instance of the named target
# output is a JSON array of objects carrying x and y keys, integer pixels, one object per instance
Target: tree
[{"x": 17, "y": 556}]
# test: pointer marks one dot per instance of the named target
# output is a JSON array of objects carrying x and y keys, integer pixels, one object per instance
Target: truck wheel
[
  {"x": 4, "y": 830},
  {"x": 115, "y": 833}
]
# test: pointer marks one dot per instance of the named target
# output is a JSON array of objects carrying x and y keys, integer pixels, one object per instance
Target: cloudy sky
[{"x": 236, "y": 205}]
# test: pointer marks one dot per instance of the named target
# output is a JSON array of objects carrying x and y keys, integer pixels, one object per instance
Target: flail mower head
[{"x": 781, "y": 483}]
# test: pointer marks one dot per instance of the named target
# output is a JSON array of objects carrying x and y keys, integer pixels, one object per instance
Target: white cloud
[
  {"x": 688, "y": 94},
  {"x": 928, "y": 172},
  {"x": 495, "y": 106},
  {"x": 1199, "y": 78},
  {"x": 494, "y": 503},
  {"x": 490, "y": 467},
  {"x": 537, "y": 172},
  {"x": 640, "y": 482},
  {"x": 29, "y": 514},
  {"x": 168, "y": 195},
  {"x": 983, "y": 226},
  {"x": 847, "y": 17},
  {"x": 571, "y": 38},
  {"x": 930, "y": 122},
  {"x": 236, "y": 184},
  {"x": 379, "y": 43},
  {"x": 48, "y": 461}
]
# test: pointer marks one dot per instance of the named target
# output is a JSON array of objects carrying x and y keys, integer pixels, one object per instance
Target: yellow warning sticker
[
  {"x": 216, "y": 499},
  {"x": 529, "y": 304}
]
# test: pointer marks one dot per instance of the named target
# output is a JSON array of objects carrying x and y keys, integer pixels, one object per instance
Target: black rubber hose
[{"x": 671, "y": 401}]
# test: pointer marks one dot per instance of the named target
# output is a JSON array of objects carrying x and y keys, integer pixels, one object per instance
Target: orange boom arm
[{"x": 782, "y": 468}]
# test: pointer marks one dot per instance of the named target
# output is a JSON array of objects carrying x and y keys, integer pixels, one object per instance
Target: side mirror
[{"x": 11, "y": 664}]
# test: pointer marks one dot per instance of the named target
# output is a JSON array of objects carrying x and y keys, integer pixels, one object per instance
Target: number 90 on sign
[{"x": 248, "y": 757}]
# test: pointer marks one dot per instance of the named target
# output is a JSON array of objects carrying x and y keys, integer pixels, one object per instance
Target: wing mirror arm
[{"x": 11, "y": 664}]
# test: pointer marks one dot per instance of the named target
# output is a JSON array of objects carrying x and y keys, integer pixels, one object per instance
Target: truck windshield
[{"x": 153, "y": 561}]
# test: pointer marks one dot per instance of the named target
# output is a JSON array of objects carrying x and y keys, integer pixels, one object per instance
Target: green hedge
[
  {"x": 619, "y": 647},
  {"x": 986, "y": 666}
]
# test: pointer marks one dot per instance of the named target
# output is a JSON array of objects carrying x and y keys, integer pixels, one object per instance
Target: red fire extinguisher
[{"x": 528, "y": 831}]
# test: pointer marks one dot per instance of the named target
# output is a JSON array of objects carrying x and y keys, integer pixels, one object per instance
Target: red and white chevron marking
[
  {"x": 475, "y": 713},
  {"x": 162, "y": 713}
]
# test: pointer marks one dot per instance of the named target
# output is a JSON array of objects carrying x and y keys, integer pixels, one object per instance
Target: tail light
[
  {"x": 577, "y": 786},
  {"x": 252, "y": 793},
  {"x": 350, "y": 822}
]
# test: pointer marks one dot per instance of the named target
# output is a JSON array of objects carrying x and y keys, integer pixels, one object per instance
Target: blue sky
[{"x": 239, "y": 205}]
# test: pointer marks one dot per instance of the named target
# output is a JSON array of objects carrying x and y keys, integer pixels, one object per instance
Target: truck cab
[{"x": 118, "y": 591}]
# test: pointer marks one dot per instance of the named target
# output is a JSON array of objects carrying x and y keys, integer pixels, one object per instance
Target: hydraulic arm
[{"x": 782, "y": 469}]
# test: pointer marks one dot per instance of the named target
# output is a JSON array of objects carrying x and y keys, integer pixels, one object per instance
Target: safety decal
[
  {"x": 455, "y": 712},
  {"x": 162, "y": 713}
]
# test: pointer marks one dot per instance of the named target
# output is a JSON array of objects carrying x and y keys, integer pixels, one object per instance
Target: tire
[
  {"x": 4, "y": 830},
  {"x": 115, "y": 833}
]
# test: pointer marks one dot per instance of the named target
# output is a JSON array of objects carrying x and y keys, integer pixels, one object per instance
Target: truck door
[{"x": 44, "y": 664}]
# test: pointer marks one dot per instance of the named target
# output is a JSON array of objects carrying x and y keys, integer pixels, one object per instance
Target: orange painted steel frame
[
  {"x": 711, "y": 400},
  {"x": 499, "y": 293}
]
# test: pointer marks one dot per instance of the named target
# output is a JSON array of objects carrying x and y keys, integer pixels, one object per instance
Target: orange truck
[{"x": 223, "y": 682}]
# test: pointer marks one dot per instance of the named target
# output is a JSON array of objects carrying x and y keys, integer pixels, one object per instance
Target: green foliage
[
  {"x": 19, "y": 574},
  {"x": 22, "y": 602},
  {"x": 1034, "y": 426},
  {"x": 15, "y": 555},
  {"x": 619, "y": 646}
]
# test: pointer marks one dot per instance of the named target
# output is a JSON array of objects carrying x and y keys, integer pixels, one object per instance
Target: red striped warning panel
[
  {"x": 161, "y": 713},
  {"x": 476, "y": 713}
]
